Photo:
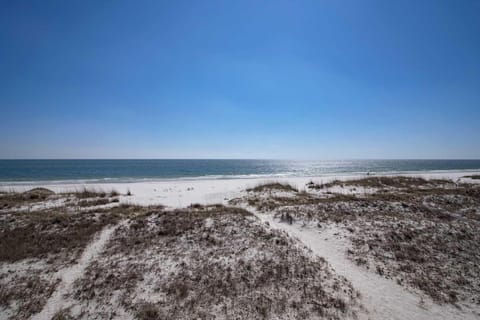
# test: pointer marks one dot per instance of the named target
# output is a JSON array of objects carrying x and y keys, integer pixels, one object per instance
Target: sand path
[
  {"x": 57, "y": 301},
  {"x": 383, "y": 298}
]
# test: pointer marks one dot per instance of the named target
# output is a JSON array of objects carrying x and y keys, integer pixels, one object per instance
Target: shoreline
[{"x": 178, "y": 193}]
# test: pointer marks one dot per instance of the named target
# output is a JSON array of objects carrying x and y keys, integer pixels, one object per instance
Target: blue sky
[{"x": 240, "y": 79}]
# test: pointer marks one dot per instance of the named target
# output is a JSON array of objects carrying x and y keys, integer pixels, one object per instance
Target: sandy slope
[{"x": 383, "y": 298}]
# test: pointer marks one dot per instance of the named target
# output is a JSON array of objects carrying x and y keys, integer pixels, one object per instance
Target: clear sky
[{"x": 240, "y": 79}]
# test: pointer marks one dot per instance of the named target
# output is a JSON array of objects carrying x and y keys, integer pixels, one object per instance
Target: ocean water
[{"x": 134, "y": 170}]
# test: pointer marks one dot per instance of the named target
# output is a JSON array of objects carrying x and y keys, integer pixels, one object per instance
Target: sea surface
[{"x": 135, "y": 170}]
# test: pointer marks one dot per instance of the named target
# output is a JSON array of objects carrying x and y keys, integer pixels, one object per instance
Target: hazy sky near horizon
[{"x": 240, "y": 79}]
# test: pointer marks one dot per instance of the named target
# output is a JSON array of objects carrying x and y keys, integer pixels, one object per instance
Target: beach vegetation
[
  {"x": 273, "y": 186},
  {"x": 475, "y": 177},
  {"x": 423, "y": 233},
  {"x": 15, "y": 199},
  {"x": 95, "y": 193},
  {"x": 201, "y": 255},
  {"x": 380, "y": 182}
]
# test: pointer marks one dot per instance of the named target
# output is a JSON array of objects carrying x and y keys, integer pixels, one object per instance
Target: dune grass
[
  {"x": 475, "y": 177},
  {"x": 13, "y": 199},
  {"x": 201, "y": 256},
  {"x": 381, "y": 182},
  {"x": 95, "y": 193},
  {"x": 271, "y": 186}
]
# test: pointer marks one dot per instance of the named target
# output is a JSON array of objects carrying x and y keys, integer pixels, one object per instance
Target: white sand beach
[
  {"x": 380, "y": 297},
  {"x": 184, "y": 192}
]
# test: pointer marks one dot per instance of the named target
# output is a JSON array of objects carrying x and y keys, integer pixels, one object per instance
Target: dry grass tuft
[
  {"x": 381, "y": 182},
  {"x": 475, "y": 176},
  {"x": 94, "y": 193},
  {"x": 148, "y": 311},
  {"x": 15, "y": 199},
  {"x": 96, "y": 202},
  {"x": 63, "y": 314},
  {"x": 278, "y": 186}
]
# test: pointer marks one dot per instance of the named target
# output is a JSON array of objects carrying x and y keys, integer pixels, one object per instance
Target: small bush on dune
[
  {"x": 475, "y": 177},
  {"x": 94, "y": 193},
  {"x": 270, "y": 186},
  {"x": 89, "y": 193},
  {"x": 91, "y": 203},
  {"x": 14, "y": 199},
  {"x": 62, "y": 315},
  {"x": 148, "y": 311},
  {"x": 380, "y": 182}
]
